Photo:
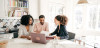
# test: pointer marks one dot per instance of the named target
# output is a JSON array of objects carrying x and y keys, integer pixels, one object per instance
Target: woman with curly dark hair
[
  {"x": 60, "y": 32},
  {"x": 26, "y": 26}
]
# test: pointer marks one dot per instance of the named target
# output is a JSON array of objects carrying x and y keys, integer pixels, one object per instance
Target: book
[
  {"x": 9, "y": 2},
  {"x": 25, "y": 4},
  {"x": 21, "y": 4},
  {"x": 15, "y": 3},
  {"x": 10, "y": 13}
]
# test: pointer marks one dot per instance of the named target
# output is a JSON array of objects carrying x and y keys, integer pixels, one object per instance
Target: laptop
[{"x": 38, "y": 38}]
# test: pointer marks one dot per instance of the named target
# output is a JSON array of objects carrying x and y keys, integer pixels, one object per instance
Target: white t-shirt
[{"x": 23, "y": 30}]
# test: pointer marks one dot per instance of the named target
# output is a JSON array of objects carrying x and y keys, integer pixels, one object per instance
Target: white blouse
[{"x": 23, "y": 30}]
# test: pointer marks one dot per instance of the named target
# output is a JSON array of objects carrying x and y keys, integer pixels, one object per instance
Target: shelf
[
  {"x": 13, "y": 6},
  {"x": 18, "y": 7},
  {"x": 18, "y": 3}
]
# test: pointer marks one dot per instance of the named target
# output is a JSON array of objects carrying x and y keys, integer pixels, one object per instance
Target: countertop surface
[{"x": 24, "y": 43}]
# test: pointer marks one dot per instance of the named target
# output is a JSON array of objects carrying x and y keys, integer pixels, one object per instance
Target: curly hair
[
  {"x": 25, "y": 20},
  {"x": 63, "y": 19}
]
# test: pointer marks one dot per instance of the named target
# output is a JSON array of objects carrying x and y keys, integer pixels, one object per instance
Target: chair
[
  {"x": 71, "y": 36},
  {"x": 14, "y": 31}
]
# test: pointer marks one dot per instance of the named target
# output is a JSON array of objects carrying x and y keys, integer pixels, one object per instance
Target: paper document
[{"x": 45, "y": 32}]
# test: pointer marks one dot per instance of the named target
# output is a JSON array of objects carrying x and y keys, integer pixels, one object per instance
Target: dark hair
[
  {"x": 63, "y": 19},
  {"x": 25, "y": 20},
  {"x": 41, "y": 16}
]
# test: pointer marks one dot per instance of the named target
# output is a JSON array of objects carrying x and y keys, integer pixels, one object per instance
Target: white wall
[
  {"x": 2, "y": 9},
  {"x": 34, "y": 8}
]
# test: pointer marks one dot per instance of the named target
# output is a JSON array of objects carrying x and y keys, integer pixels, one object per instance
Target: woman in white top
[{"x": 26, "y": 26}]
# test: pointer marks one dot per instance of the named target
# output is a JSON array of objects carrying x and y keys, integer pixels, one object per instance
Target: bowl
[{"x": 3, "y": 43}]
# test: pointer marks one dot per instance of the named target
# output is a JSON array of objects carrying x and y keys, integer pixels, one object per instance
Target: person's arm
[
  {"x": 31, "y": 29},
  {"x": 21, "y": 34},
  {"x": 28, "y": 37},
  {"x": 61, "y": 37},
  {"x": 64, "y": 37},
  {"x": 35, "y": 28},
  {"x": 64, "y": 34},
  {"x": 47, "y": 27},
  {"x": 55, "y": 32}
]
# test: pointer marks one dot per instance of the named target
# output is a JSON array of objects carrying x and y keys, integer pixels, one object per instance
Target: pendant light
[{"x": 82, "y": 1}]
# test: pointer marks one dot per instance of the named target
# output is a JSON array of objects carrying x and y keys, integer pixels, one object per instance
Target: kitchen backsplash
[{"x": 11, "y": 22}]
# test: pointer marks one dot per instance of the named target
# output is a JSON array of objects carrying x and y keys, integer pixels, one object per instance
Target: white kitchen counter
[{"x": 24, "y": 43}]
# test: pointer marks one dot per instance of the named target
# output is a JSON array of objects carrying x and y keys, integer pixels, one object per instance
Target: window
[
  {"x": 54, "y": 10},
  {"x": 98, "y": 24},
  {"x": 78, "y": 17},
  {"x": 92, "y": 16},
  {"x": 87, "y": 17}
]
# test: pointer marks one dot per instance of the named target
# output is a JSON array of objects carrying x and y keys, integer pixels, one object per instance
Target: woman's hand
[
  {"x": 56, "y": 37},
  {"x": 49, "y": 34},
  {"x": 28, "y": 37},
  {"x": 23, "y": 36}
]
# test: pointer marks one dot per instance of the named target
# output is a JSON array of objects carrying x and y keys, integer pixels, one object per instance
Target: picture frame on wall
[{"x": 18, "y": 13}]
